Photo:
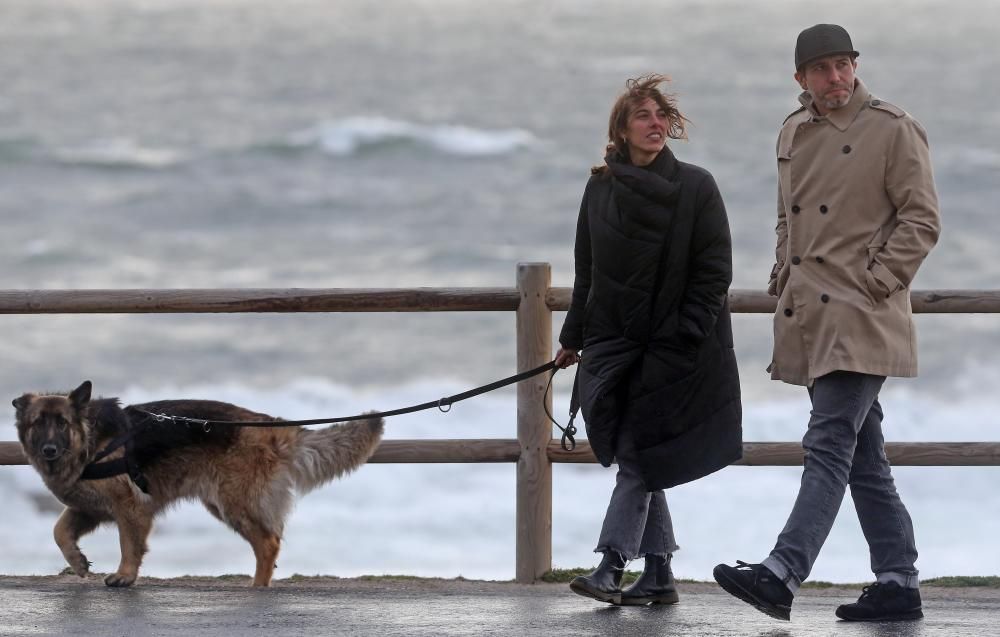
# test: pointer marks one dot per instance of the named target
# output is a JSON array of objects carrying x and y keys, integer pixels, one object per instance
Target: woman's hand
[{"x": 566, "y": 357}]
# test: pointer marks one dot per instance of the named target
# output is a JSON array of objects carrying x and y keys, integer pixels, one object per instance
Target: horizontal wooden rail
[
  {"x": 923, "y": 301},
  {"x": 769, "y": 454},
  {"x": 11, "y": 453},
  {"x": 258, "y": 300},
  {"x": 288, "y": 300},
  {"x": 421, "y": 451}
]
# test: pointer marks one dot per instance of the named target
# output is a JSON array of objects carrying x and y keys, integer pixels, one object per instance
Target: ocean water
[{"x": 437, "y": 143}]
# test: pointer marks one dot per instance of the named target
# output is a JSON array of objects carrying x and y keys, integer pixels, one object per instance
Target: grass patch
[
  {"x": 231, "y": 577},
  {"x": 958, "y": 581},
  {"x": 404, "y": 578},
  {"x": 820, "y": 584},
  {"x": 951, "y": 581},
  {"x": 299, "y": 577}
]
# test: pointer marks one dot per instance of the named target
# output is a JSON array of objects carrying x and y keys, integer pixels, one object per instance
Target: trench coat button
[
  {"x": 823, "y": 209},
  {"x": 820, "y": 260},
  {"x": 825, "y": 298},
  {"x": 796, "y": 209},
  {"x": 876, "y": 102},
  {"x": 796, "y": 260},
  {"x": 846, "y": 149},
  {"x": 788, "y": 311}
]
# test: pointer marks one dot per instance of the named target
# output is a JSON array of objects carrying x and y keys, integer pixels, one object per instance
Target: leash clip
[
  {"x": 568, "y": 432},
  {"x": 442, "y": 409}
]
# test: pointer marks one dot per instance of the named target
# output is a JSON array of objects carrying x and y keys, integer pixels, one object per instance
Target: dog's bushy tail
[{"x": 325, "y": 454}]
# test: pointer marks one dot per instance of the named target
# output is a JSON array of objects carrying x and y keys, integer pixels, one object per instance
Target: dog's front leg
[
  {"x": 134, "y": 526},
  {"x": 70, "y": 527}
]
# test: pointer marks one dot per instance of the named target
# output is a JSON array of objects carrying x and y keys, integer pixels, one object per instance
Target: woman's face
[{"x": 646, "y": 131}]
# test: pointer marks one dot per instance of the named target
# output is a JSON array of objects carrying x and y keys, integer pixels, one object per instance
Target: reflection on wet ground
[{"x": 63, "y": 606}]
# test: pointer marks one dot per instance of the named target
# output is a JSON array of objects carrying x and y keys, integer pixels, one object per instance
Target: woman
[{"x": 658, "y": 384}]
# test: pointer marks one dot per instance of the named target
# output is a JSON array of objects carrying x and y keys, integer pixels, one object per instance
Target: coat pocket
[
  {"x": 873, "y": 247},
  {"x": 882, "y": 282},
  {"x": 876, "y": 291},
  {"x": 782, "y": 280}
]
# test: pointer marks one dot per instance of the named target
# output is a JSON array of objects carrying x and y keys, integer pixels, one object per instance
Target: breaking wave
[
  {"x": 346, "y": 137},
  {"x": 119, "y": 153}
]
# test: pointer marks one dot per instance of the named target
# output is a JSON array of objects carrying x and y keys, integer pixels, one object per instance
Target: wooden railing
[{"x": 534, "y": 450}]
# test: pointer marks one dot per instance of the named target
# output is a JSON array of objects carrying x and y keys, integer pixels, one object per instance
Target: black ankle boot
[
  {"x": 604, "y": 583},
  {"x": 655, "y": 585},
  {"x": 882, "y": 603}
]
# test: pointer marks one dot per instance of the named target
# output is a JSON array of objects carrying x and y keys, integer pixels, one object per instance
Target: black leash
[
  {"x": 97, "y": 470},
  {"x": 444, "y": 404}
]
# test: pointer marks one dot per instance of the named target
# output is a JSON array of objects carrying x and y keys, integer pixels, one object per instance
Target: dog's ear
[
  {"x": 21, "y": 401},
  {"x": 81, "y": 395}
]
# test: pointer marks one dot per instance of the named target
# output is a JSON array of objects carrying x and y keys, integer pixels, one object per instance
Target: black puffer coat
[{"x": 650, "y": 312}]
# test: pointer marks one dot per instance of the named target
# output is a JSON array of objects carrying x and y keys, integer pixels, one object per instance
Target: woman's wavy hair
[{"x": 637, "y": 90}]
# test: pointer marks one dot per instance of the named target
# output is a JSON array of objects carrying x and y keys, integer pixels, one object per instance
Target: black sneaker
[
  {"x": 883, "y": 603},
  {"x": 756, "y": 585}
]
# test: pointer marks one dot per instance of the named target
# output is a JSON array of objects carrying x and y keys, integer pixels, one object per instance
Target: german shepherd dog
[{"x": 244, "y": 476}]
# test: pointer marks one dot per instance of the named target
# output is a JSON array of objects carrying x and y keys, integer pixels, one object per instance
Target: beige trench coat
[{"x": 857, "y": 214}]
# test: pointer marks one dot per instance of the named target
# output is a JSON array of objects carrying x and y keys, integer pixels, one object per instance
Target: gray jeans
[
  {"x": 844, "y": 445},
  {"x": 637, "y": 522}
]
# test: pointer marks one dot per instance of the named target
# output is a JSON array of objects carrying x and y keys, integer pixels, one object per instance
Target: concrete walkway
[{"x": 66, "y": 605}]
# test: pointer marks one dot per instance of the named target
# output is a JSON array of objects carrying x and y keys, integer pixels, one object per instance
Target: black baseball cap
[{"x": 820, "y": 41}]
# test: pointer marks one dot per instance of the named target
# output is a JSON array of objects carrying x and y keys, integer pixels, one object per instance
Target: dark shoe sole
[
  {"x": 736, "y": 590},
  {"x": 581, "y": 587},
  {"x": 668, "y": 598},
  {"x": 896, "y": 617}
]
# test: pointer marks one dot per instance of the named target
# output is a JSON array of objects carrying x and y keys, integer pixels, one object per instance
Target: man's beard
[{"x": 833, "y": 103}]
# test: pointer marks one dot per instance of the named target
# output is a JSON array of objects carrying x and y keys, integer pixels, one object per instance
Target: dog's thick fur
[{"x": 245, "y": 476}]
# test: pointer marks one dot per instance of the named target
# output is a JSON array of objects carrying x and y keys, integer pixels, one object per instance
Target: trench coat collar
[{"x": 841, "y": 118}]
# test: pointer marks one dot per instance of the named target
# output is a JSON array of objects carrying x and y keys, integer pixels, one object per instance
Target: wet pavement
[{"x": 66, "y": 605}]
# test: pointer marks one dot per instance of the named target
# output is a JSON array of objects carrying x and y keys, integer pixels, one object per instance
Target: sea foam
[
  {"x": 346, "y": 137},
  {"x": 119, "y": 152}
]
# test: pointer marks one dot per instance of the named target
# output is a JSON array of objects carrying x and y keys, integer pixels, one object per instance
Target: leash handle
[{"x": 568, "y": 440}]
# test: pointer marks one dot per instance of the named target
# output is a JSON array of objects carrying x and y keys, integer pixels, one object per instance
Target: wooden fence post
[{"x": 534, "y": 469}]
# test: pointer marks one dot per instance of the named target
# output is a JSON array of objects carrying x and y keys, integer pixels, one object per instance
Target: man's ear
[{"x": 81, "y": 395}]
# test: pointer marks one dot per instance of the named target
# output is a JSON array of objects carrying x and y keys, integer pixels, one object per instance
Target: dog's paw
[
  {"x": 118, "y": 580},
  {"x": 80, "y": 568}
]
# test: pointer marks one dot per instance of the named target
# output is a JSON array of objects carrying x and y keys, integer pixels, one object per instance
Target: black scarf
[{"x": 653, "y": 182}]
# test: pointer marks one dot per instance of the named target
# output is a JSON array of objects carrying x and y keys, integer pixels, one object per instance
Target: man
[{"x": 857, "y": 214}]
